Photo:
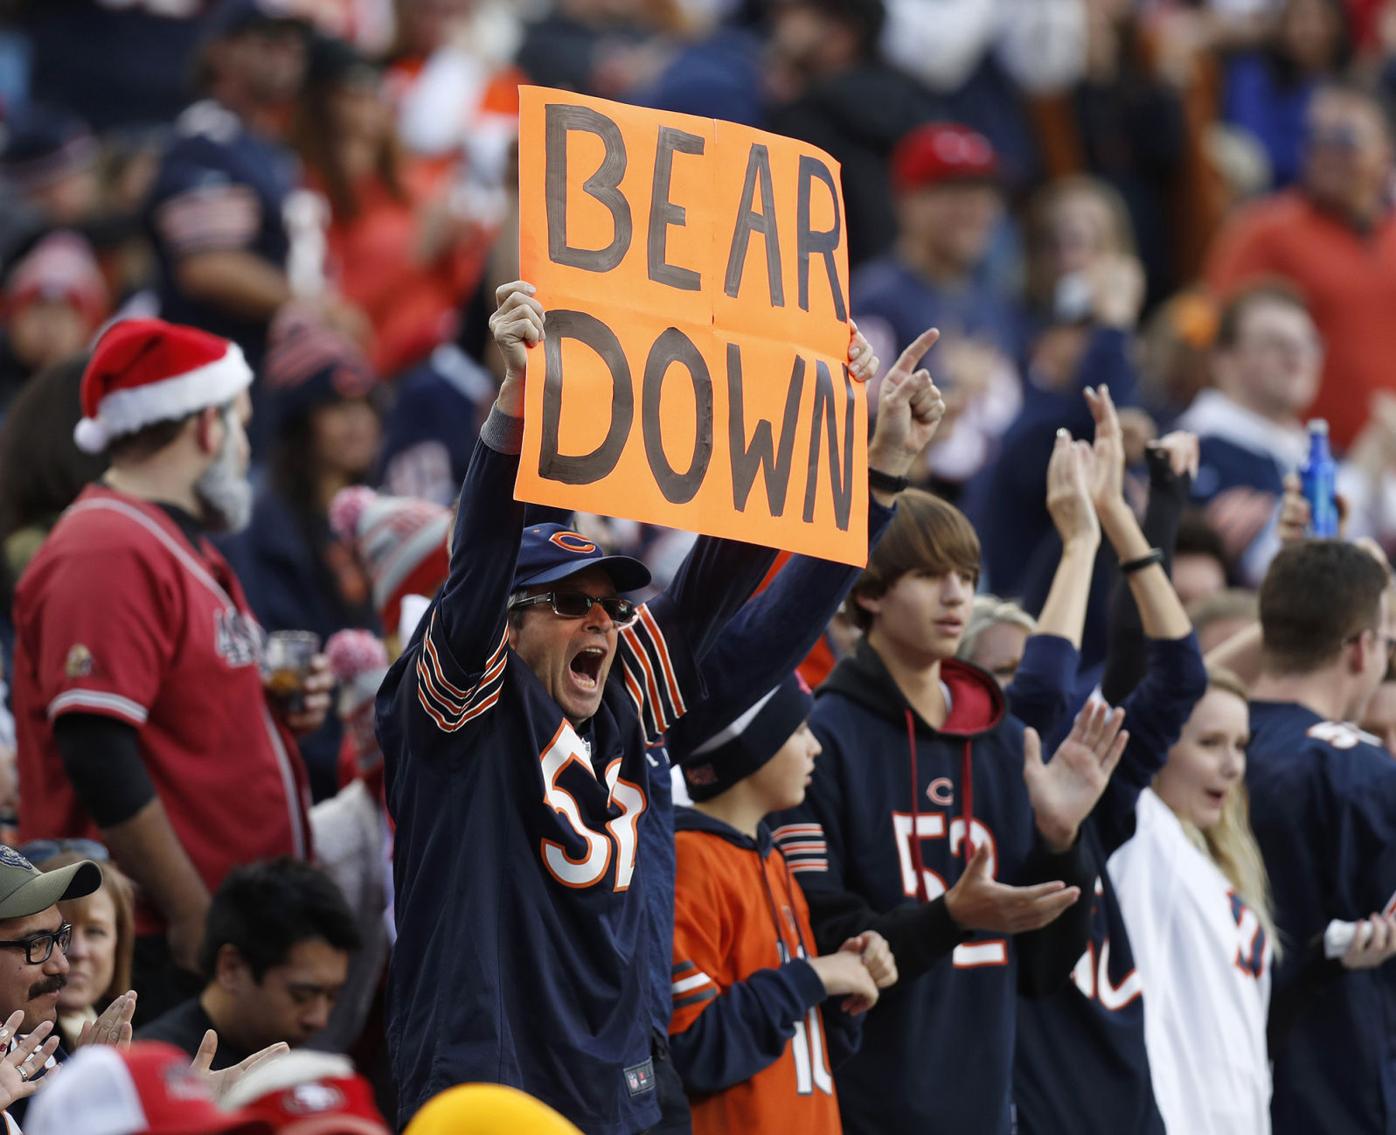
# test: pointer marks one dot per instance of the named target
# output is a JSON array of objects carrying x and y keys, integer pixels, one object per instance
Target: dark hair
[
  {"x": 1198, "y": 538},
  {"x": 1233, "y": 314},
  {"x": 265, "y": 909},
  {"x": 148, "y": 440},
  {"x": 927, "y": 535},
  {"x": 865, "y": 18},
  {"x": 331, "y": 67},
  {"x": 41, "y": 468},
  {"x": 1317, "y": 595}
]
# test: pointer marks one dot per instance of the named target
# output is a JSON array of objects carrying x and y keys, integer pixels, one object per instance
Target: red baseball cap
[
  {"x": 309, "y": 1093},
  {"x": 940, "y": 152},
  {"x": 147, "y": 1090}
]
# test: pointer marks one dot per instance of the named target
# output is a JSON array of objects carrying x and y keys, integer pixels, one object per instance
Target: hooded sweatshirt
[
  {"x": 748, "y": 1036},
  {"x": 885, "y": 819}
]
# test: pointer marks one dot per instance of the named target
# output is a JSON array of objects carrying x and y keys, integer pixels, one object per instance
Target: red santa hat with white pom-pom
[{"x": 145, "y": 371}]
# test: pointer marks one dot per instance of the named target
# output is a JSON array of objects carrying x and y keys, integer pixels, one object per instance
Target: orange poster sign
[{"x": 695, "y": 276}]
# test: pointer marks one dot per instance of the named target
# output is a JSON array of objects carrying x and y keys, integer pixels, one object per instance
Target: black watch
[{"x": 887, "y": 483}]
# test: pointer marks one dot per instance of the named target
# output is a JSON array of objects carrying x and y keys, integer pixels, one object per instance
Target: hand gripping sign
[{"x": 695, "y": 276}]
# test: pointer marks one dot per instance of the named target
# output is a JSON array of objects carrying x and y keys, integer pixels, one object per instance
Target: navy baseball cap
[
  {"x": 233, "y": 17},
  {"x": 549, "y": 552}
]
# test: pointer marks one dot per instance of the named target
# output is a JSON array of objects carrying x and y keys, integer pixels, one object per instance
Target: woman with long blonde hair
[{"x": 1196, "y": 899}]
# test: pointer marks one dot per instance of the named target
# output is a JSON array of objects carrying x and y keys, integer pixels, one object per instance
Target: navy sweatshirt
[
  {"x": 1081, "y": 1065},
  {"x": 1323, "y": 806},
  {"x": 886, "y": 822}
]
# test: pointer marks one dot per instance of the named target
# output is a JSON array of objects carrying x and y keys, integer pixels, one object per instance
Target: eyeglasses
[
  {"x": 42, "y": 850},
  {"x": 38, "y": 948},
  {"x": 577, "y": 604},
  {"x": 1388, "y": 642}
]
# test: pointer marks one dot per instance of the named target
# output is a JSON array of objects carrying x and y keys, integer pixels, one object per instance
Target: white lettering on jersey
[
  {"x": 811, "y": 1061},
  {"x": 621, "y": 832},
  {"x": 1341, "y": 735},
  {"x": 932, "y": 825},
  {"x": 1092, "y": 973}
]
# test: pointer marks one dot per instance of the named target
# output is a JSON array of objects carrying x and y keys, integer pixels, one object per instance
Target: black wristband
[
  {"x": 877, "y": 479},
  {"x": 1129, "y": 567}
]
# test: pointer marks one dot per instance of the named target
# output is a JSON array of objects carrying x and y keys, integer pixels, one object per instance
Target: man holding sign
[{"x": 517, "y": 775}]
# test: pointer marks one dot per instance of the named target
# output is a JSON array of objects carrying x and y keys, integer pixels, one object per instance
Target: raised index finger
[{"x": 919, "y": 346}]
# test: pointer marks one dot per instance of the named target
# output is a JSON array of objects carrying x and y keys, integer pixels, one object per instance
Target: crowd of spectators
[{"x": 259, "y": 323}]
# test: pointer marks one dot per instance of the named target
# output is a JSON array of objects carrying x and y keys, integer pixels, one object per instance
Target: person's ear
[
  {"x": 1357, "y": 654},
  {"x": 868, "y": 602},
  {"x": 230, "y": 968},
  {"x": 209, "y": 429}
]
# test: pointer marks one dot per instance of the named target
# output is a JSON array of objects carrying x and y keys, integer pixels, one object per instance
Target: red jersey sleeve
[{"x": 102, "y": 640}]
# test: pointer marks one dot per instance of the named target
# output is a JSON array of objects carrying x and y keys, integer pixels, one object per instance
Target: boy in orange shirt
[{"x": 748, "y": 1035}]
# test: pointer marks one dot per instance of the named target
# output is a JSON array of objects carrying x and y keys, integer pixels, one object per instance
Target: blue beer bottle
[{"x": 1320, "y": 482}]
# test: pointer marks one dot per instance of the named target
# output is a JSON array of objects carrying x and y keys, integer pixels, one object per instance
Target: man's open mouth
[{"x": 586, "y": 665}]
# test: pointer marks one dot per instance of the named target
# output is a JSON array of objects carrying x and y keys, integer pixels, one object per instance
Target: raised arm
[
  {"x": 1069, "y": 502},
  {"x": 1174, "y": 677},
  {"x": 462, "y": 656},
  {"x": 680, "y": 628},
  {"x": 774, "y": 630}
]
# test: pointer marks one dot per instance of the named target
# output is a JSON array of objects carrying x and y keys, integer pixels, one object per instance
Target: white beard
[{"x": 225, "y": 493}]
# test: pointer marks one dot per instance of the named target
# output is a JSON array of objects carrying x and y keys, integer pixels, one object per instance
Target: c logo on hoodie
[{"x": 941, "y": 791}]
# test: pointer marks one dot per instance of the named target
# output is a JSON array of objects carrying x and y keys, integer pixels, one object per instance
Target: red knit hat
[
  {"x": 145, "y": 371},
  {"x": 401, "y": 541},
  {"x": 61, "y": 266},
  {"x": 940, "y": 152}
]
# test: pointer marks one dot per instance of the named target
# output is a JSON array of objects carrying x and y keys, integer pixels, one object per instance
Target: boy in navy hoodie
[
  {"x": 926, "y": 779},
  {"x": 749, "y": 1036}
]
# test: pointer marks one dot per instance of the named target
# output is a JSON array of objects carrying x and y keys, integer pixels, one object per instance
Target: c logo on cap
[{"x": 572, "y": 542}]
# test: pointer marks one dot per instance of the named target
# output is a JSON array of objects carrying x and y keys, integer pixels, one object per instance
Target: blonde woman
[
  {"x": 103, "y": 940},
  {"x": 1193, "y": 889}
]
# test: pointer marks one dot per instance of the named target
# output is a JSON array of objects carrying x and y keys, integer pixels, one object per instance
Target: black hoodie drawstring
[{"x": 920, "y": 886}]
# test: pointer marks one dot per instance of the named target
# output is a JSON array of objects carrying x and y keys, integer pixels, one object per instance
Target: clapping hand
[
  {"x": 113, "y": 1027},
  {"x": 1064, "y": 790},
  {"x": 1069, "y": 475},
  {"x": 877, "y": 956},
  {"x": 978, "y": 902},
  {"x": 221, "y": 1082},
  {"x": 18, "y": 1068}
]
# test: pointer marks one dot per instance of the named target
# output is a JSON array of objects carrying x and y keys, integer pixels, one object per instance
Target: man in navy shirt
[
  {"x": 1323, "y": 806},
  {"x": 234, "y": 238},
  {"x": 1266, "y": 364},
  {"x": 515, "y": 729}
]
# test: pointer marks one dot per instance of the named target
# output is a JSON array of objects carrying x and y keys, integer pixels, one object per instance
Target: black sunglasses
[
  {"x": 577, "y": 604},
  {"x": 42, "y": 943}
]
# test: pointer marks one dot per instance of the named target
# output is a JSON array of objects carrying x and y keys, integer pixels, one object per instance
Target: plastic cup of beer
[{"x": 286, "y": 661}]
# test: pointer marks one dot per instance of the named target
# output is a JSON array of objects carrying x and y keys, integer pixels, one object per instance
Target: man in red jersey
[{"x": 139, "y": 705}]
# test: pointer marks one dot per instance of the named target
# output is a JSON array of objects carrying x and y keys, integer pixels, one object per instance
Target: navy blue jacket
[
  {"x": 437, "y": 410},
  {"x": 213, "y": 156},
  {"x": 1323, "y": 806},
  {"x": 522, "y": 887},
  {"x": 1081, "y": 1065},
  {"x": 888, "y": 824}
]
